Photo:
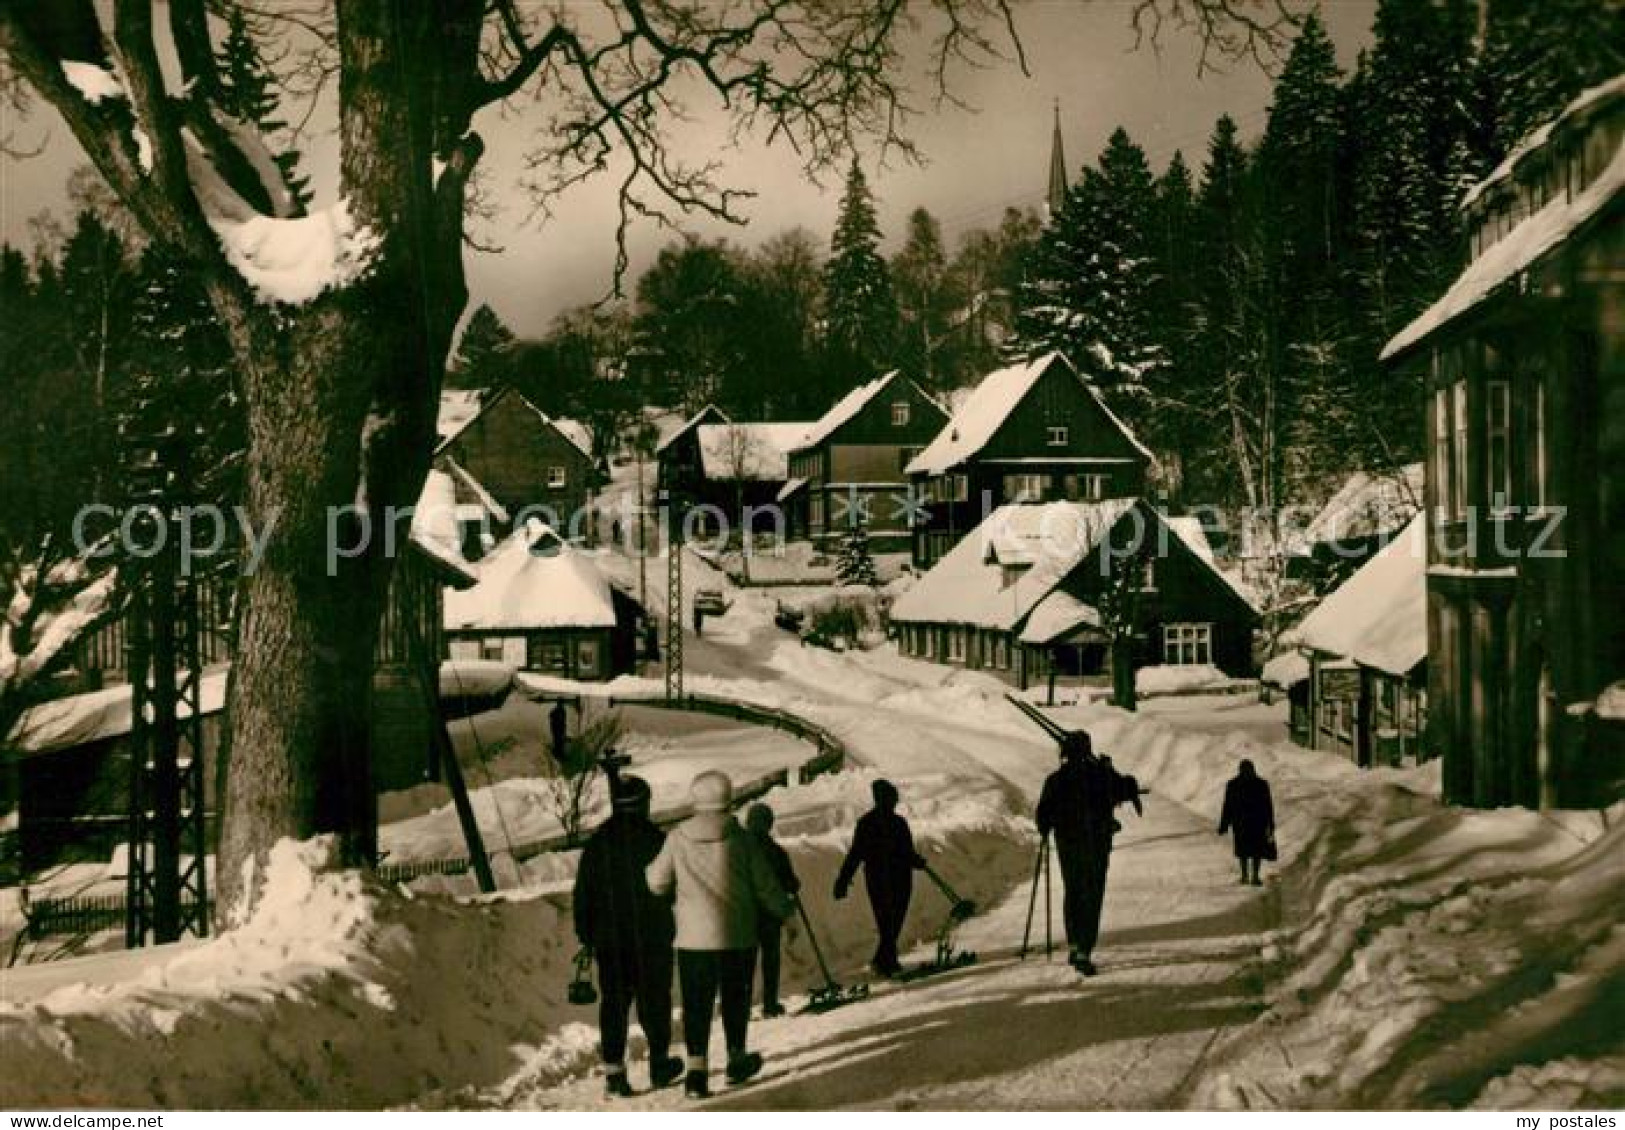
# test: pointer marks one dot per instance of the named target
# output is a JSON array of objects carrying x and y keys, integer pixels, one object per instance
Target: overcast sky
[{"x": 1080, "y": 53}]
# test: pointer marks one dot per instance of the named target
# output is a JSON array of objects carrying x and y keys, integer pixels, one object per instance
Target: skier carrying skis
[
  {"x": 629, "y": 932},
  {"x": 884, "y": 847},
  {"x": 769, "y": 931},
  {"x": 724, "y": 887},
  {"x": 1075, "y": 808}
]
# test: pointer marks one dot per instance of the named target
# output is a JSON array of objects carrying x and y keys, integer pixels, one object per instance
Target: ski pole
[
  {"x": 962, "y": 907},
  {"x": 812, "y": 940},
  {"x": 1032, "y": 898},
  {"x": 1048, "y": 920}
]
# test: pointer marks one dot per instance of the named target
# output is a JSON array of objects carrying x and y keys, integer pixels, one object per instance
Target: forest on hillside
[{"x": 1232, "y": 303}]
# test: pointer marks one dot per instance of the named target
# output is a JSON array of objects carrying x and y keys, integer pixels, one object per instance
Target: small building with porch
[
  {"x": 1021, "y": 596},
  {"x": 541, "y": 605},
  {"x": 1367, "y": 649}
]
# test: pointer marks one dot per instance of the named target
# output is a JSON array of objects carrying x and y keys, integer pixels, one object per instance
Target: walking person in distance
[{"x": 1249, "y": 816}]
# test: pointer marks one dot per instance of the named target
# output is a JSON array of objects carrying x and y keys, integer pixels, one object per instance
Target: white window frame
[
  {"x": 1059, "y": 435},
  {"x": 959, "y": 487},
  {"x": 1024, "y": 486},
  {"x": 1187, "y": 644},
  {"x": 558, "y": 477},
  {"x": 1442, "y": 459},
  {"x": 586, "y": 654},
  {"x": 1091, "y": 486},
  {"x": 899, "y": 414},
  {"x": 1498, "y": 445},
  {"x": 956, "y": 645}
]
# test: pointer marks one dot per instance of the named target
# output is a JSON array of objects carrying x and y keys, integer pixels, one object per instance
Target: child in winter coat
[
  {"x": 759, "y": 822},
  {"x": 724, "y": 886}
]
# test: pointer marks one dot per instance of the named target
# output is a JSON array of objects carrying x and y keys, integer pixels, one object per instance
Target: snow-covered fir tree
[
  {"x": 860, "y": 309},
  {"x": 856, "y": 564},
  {"x": 1089, "y": 289},
  {"x": 247, "y": 91},
  {"x": 483, "y": 354}
]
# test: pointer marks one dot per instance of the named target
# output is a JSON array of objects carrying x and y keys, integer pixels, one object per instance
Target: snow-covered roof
[
  {"x": 1367, "y": 504},
  {"x": 1193, "y": 535},
  {"x": 755, "y": 452},
  {"x": 533, "y": 579},
  {"x": 435, "y": 529},
  {"x": 999, "y": 572},
  {"x": 575, "y": 431},
  {"x": 709, "y": 414},
  {"x": 1286, "y": 670},
  {"x": 1058, "y": 614},
  {"x": 1378, "y": 617},
  {"x": 1536, "y": 139},
  {"x": 80, "y": 719},
  {"x": 981, "y": 414},
  {"x": 458, "y": 407},
  {"x": 850, "y": 405},
  {"x": 790, "y": 487},
  {"x": 1536, "y": 236}
]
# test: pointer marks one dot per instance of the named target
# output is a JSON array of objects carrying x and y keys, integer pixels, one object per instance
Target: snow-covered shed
[
  {"x": 1036, "y": 431},
  {"x": 1361, "y": 516},
  {"x": 541, "y": 604},
  {"x": 1367, "y": 649},
  {"x": 1024, "y": 592}
]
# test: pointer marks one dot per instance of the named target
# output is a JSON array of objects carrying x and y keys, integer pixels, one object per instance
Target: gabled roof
[
  {"x": 999, "y": 572},
  {"x": 458, "y": 407},
  {"x": 1367, "y": 504},
  {"x": 575, "y": 434},
  {"x": 1378, "y": 617},
  {"x": 1564, "y": 217},
  {"x": 853, "y": 403},
  {"x": 97, "y": 716},
  {"x": 750, "y": 451},
  {"x": 710, "y": 414},
  {"x": 984, "y": 411},
  {"x": 533, "y": 580}
]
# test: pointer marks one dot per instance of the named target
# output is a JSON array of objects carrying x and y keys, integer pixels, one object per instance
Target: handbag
[
  {"x": 1270, "y": 852},
  {"x": 581, "y": 990}
]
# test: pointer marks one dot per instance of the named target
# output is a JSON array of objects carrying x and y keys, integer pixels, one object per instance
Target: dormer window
[
  {"x": 1058, "y": 436},
  {"x": 899, "y": 414},
  {"x": 556, "y": 478}
]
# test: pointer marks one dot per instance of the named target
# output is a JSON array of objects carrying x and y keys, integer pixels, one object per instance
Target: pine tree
[
  {"x": 856, "y": 564},
  {"x": 247, "y": 91},
  {"x": 860, "y": 309},
  {"x": 1089, "y": 292},
  {"x": 484, "y": 354},
  {"x": 925, "y": 304},
  {"x": 1537, "y": 56}
]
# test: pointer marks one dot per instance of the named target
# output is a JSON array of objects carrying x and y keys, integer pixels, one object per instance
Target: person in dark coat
[
  {"x": 1249, "y": 816},
  {"x": 1075, "y": 809},
  {"x": 629, "y": 932},
  {"x": 884, "y": 847},
  {"x": 556, "y": 725},
  {"x": 759, "y": 823}
]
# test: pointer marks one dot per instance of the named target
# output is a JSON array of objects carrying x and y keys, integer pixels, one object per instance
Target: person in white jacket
[{"x": 723, "y": 885}]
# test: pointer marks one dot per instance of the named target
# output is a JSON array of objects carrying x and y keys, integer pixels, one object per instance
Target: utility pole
[
  {"x": 166, "y": 884},
  {"x": 674, "y": 605}
]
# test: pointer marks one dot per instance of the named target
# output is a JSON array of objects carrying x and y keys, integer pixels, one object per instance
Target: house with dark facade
[
  {"x": 521, "y": 458},
  {"x": 1524, "y": 360},
  {"x": 1023, "y": 594},
  {"x": 73, "y": 752},
  {"x": 715, "y": 473},
  {"x": 1032, "y": 432},
  {"x": 1366, "y": 654},
  {"x": 542, "y": 605},
  {"x": 849, "y": 468}
]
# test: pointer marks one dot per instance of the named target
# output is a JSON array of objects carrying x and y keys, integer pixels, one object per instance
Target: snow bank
[
  {"x": 1430, "y": 956},
  {"x": 1175, "y": 678}
]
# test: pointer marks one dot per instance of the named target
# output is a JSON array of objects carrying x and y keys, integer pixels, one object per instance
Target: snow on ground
[{"x": 1400, "y": 954}]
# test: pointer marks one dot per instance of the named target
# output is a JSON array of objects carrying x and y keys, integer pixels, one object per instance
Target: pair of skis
[{"x": 832, "y": 994}]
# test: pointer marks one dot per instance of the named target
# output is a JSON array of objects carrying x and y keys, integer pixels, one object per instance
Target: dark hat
[
  {"x": 630, "y": 794},
  {"x": 1076, "y": 744}
]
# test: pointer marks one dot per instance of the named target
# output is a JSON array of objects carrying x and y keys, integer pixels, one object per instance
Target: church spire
[{"x": 1057, "y": 167}]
